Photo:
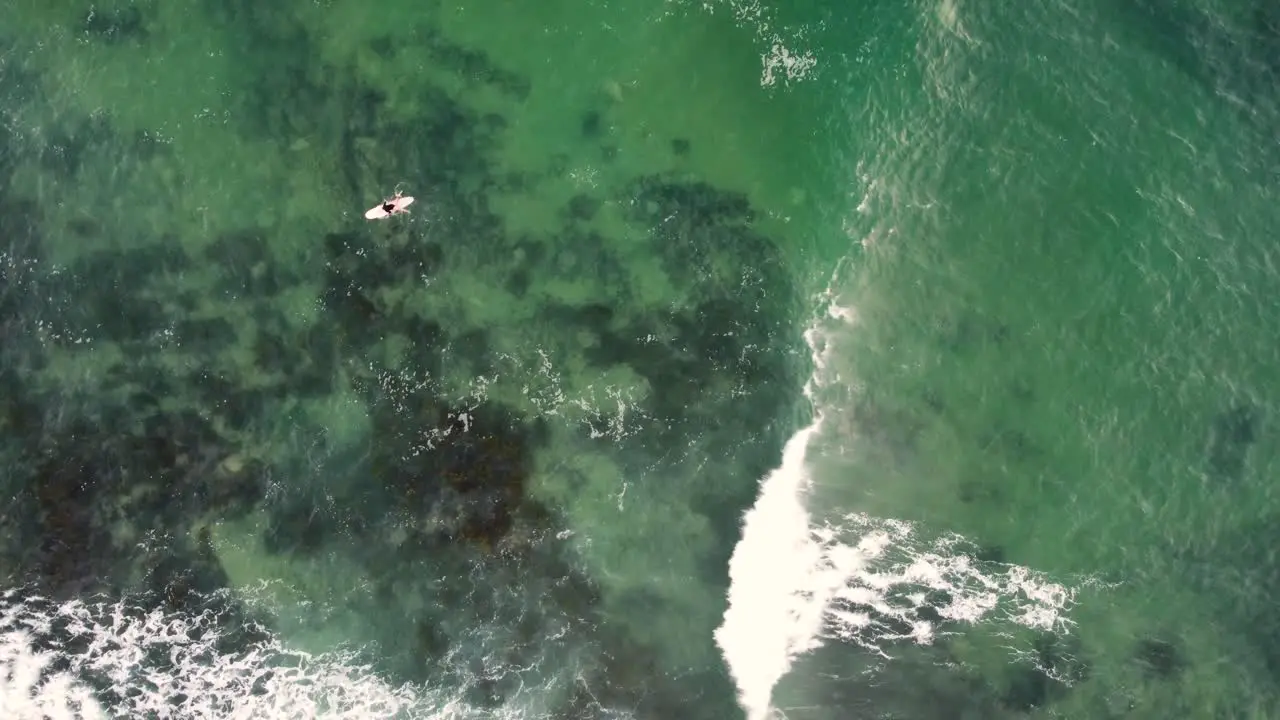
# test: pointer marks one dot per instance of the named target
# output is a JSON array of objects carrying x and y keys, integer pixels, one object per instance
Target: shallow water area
[{"x": 469, "y": 447}]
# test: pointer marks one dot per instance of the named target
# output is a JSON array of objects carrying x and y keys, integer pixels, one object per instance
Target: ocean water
[{"x": 736, "y": 359}]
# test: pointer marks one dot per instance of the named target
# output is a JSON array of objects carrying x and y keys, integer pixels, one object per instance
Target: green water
[
  {"x": 504, "y": 443},
  {"x": 1066, "y": 342}
]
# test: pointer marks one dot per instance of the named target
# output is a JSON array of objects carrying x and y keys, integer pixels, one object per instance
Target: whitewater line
[{"x": 770, "y": 618}]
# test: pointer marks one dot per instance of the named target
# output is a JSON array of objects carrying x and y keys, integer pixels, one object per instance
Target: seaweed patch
[{"x": 363, "y": 403}]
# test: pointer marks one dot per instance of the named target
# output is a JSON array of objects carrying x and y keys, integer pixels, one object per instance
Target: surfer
[{"x": 395, "y": 205}]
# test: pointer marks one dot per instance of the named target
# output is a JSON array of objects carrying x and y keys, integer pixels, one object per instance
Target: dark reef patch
[
  {"x": 115, "y": 25},
  {"x": 1034, "y": 685},
  {"x": 295, "y": 528},
  {"x": 304, "y": 362},
  {"x": 1232, "y": 433},
  {"x": 1159, "y": 658},
  {"x": 518, "y": 282},
  {"x": 110, "y": 300},
  {"x": 245, "y": 264},
  {"x": 583, "y": 207},
  {"x": 991, "y": 554},
  {"x": 205, "y": 336},
  {"x": 473, "y": 65},
  {"x": 194, "y": 361},
  {"x": 592, "y": 124},
  {"x": 460, "y": 471},
  {"x": 88, "y": 480},
  {"x": 559, "y": 164},
  {"x": 69, "y": 142}
]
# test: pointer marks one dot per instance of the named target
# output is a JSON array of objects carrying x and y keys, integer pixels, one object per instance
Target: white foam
[
  {"x": 779, "y": 60},
  {"x": 774, "y": 610},
  {"x": 860, "y": 580},
  {"x": 767, "y": 622},
  {"x": 168, "y": 665}
]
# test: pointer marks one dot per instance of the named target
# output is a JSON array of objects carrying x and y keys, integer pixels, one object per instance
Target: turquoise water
[{"x": 969, "y": 310}]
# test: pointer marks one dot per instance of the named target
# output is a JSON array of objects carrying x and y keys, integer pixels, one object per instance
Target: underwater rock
[
  {"x": 115, "y": 25},
  {"x": 294, "y": 528},
  {"x": 518, "y": 282},
  {"x": 559, "y": 164},
  {"x": 20, "y": 269},
  {"x": 492, "y": 124},
  {"x": 680, "y": 147},
  {"x": 1057, "y": 666},
  {"x": 461, "y": 471},
  {"x": 350, "y": 291},
  {"x": 1231, "y": 435},
  {"x": 186, "y": 579},
  {"x": 719, "y": 360},
  {"x": 89, "y": 478},
  {"x": 530, "y": 251},
  {"x": 1266, "y": 41},
  {"x": 103, "y": 295},
  {"x": 289, "y": 83},
  {"x": 1012, "y": 443},
  {"x": 84, "y": 227},
  {"x": 701, "y": 206},
  {"x": 225, "y": 394},
  {"x": 583, "y": 207},
  {"x": 933, "y": 400},
  {"x": 515, "y": 182},
  {"x": 990, "y": 554},
  {"x": 305, "y": 363},
  {"x": 205, "y": 336},
  {"x": 416, "y": 262},
  {"x": 706, "y": 240},
  {"x": 1159, "y": 658},
  {"x": 591, "y": 124},
  {"x": 977, "y": 490},
  {"x": 245, "y": 264},
  {"x": 473, "y": 65},
  {"x": 584, "y": 252},
  {"x": 473, "y": 345},
  {"x": 75, "y": 549},
  {"x": 236, "y": 486},
  {"x": 358, "y": 271},
  {"x": 383, "y": 46},
  {"x": 72, "y": 140},
  {"x": 1026, "y": 689},
  {"x": 1022, "y": 390},
  {"x": 351, "y": 262}
]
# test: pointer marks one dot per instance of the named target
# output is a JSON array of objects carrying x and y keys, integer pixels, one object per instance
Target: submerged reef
[{"x": 356, "y": 398}]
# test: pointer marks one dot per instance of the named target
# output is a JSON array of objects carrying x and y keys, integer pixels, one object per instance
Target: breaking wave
[
  {"x": 77, "y": 659},
  {"x": 797, "y": 583}
]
